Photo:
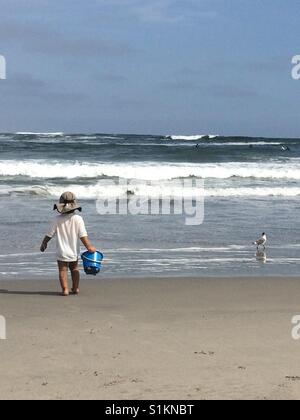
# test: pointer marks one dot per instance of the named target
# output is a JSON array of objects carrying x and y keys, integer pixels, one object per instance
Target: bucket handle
[{"x": 93, "y": 261}]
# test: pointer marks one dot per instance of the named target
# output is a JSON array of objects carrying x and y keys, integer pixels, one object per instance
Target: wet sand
[{"x": 151, "y": 339}]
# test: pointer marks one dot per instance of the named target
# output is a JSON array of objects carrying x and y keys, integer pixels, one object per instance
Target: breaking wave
[
  {"x": 104, "y": 190},
  {"x": 149, "y": 171},
  {"x": 193, "y": 138}
]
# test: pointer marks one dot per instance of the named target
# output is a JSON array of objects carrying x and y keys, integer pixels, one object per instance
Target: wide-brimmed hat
[{"x": 67, "y": 203}]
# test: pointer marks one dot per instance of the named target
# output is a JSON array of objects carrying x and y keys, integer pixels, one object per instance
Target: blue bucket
[{"x": 92, "y": 262}]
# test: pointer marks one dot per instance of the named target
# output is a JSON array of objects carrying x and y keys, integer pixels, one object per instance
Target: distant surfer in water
[{"x": 285, "y": 148}]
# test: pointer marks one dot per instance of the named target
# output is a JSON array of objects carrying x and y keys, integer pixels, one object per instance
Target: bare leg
[
  {"x": 75, "y": 277},
  {"x": 63, "y": 277}
]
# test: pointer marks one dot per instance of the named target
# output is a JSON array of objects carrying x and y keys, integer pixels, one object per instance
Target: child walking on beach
[{"x": 69, "y": 229}]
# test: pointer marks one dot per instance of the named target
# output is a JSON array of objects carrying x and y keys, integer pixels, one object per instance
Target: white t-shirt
[{"x": 68, "y": 229}]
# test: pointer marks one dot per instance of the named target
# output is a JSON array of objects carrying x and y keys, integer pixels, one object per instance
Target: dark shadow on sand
[{"x": 9, "y": 292}]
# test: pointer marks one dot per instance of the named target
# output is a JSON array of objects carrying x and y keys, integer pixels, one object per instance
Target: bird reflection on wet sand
[{"x": 261, "y": 256}]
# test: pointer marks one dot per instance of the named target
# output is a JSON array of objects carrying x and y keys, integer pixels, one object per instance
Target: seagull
[{"x": 261, "y": 241}]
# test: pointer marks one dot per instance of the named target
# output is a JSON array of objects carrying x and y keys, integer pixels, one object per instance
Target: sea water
[{"x": 251, "y": 185}]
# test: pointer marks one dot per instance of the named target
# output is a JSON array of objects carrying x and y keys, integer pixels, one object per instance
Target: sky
[{"x": 150, "y": 66}]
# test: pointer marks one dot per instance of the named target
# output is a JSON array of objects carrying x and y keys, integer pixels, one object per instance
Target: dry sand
[{"x": 151, "y": 339}]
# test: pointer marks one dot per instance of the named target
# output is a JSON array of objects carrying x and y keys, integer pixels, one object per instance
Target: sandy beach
[{"x": 151, "y": 339}]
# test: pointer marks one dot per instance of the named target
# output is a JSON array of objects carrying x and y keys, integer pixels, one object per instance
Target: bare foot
[
  {"x": 65, "y": 292},
  {"x": 75, "y": 291}
]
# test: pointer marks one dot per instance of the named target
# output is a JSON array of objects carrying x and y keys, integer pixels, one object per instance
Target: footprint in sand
[
  {"x": 114, "y": 382},
  {"x": 136, "y": 381},
  {"x": 293, "y": 378},
  {"x": 97, "y": 373},
  {"x": 203, "y": 353},
  {"x": 116, "y": 356}
]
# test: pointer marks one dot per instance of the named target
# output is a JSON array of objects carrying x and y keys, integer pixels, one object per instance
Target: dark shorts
[{"x": 64, "y": 265}]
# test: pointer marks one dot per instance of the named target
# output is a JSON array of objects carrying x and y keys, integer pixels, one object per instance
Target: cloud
[
  {"x": 153, "y": 11},
  {"x": 23, "y": 81},
  {"x": 207, "y": 68},
  {"x": 86, "y": 46},
  {"x": 233, "y": 91},
  {"x": 48, "y": 40},
  {"x": 110, "y": 78},
  {"x": 27, "y": 88},
  {"x": 226, "y": 91},
  {"x": 124, "y": 104},
  {"x": 156, "y": 12},
  {"x": 161, "y": 11},
  {"x": 181, "y": 85}
]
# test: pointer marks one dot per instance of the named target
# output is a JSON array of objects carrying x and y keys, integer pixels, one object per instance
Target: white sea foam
[
  {"x": 254, "y": 192},
  {"x": 101, "y": 190},
  {"x": 152, "y": 171},
  {"x": 29, "y": 133},
  {"x": 240, "y": 143},
  {"x": 193, "y": 137}
]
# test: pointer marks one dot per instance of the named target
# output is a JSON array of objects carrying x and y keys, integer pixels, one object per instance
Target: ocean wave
[
  {"x": 111, "y": 190},
  {"x": 29, "y": 133},
  {"x": 110, "y": 141},
  {"x": 253, "y": 192},
  {"x": 152, "y": 171},
  {"x": 239, "y": 143},
  {"x": 104, "y": 189},
  {"x": 193, "y": 137}
]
